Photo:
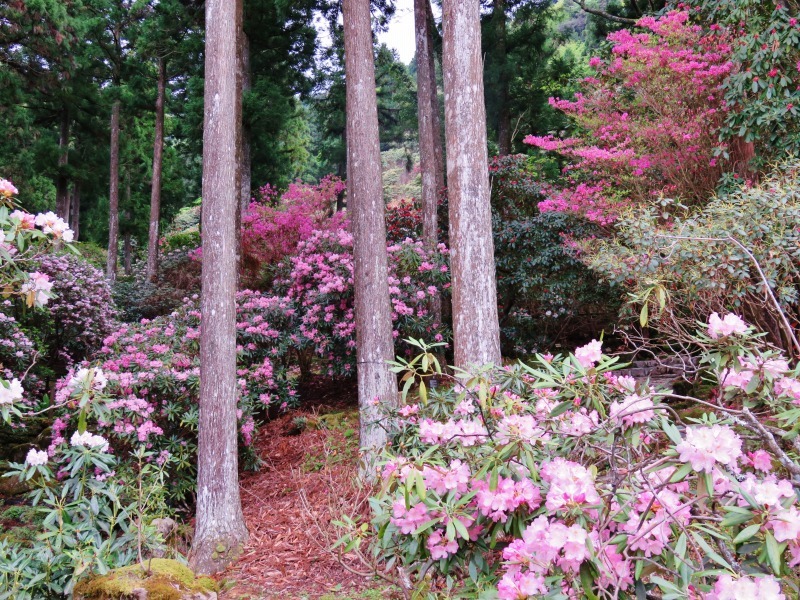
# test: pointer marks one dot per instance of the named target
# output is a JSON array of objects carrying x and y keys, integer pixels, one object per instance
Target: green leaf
[
  {"x": 587, "y": 580},
  {"x": 710, "y": 551},
  {"x": 746, "y": 533},
  {"x": 681, "y": 473},
  {"x": 773, "y": 553}
]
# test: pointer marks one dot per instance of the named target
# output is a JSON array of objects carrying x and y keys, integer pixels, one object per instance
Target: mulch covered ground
[{"x": 307, "y": 481}]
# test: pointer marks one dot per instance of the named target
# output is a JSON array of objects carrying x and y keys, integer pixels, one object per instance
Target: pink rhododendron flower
[
  {"x": 705, "y": 446},
  {"x": 745, "y": 588},
  {"x": 589, "y": 354},
  {"x": 520, "y": 586},
  {"x": 7, "y": 188},
  {"x": 786, "y": 525},
  {"x": 439, "y": 546},
  {"x": 633, "y": 409},
  {"x": 407, "y": 520},
  {"x": 571, "y": 484},
  {"x": 38, "y": 288},
  {"x": 726, "y": 326},
  {"x": 740, "y": 379},
  {"x": 761, "y": 460}
]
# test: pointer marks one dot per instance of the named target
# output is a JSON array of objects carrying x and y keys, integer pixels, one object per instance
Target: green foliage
[
  {"x": 763, "y": 92},
  {"x": 709, "y": 259}
]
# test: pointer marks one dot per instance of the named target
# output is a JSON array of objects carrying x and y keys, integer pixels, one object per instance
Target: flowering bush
[
  {"x": 319, "y": 281},
  {"x": 725, "y": 256},
  {"x": 94, "y": 519},
  {"x": 648, "y": 121},
  {"x": 762, "y": 92},
  {"x": 562, "y": 479},
  {"x": 272, "y": 227},
  {"x": 81, "y": 312},
  {"x": 152, "y": 369},
  {"x": 546, "y": 294}
]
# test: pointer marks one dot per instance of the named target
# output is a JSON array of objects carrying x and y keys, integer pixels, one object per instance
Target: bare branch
[{"x": 603, "y": 14}]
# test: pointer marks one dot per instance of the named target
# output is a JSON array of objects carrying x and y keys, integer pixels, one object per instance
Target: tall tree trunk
[
  {"x": 503, "y": 113},
  {"x": 429, "y": 135},
  {"x": 246, "y": 161},
  {"x": 113, "y": 195},
  {"x": 476, "y": 331},
  {"x": 127, "y": 253},
  {"x": 375, "y": 347},
  {"x": 62, "y": 181},
  {"x": 437, "y": 120},
  {"x": 220, "y": 531},
  {"x": 75, "y": 211},
  {"x": 158, "y": 160}
]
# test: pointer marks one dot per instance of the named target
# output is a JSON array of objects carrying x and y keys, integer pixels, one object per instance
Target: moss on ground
[{"x": 167, "y": 580}]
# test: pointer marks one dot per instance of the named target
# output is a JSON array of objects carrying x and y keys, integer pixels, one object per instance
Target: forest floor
[{"x": 307, "y": 481}]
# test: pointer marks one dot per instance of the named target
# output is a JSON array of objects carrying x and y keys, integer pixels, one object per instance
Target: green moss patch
[{"x": 166, "y": 580}]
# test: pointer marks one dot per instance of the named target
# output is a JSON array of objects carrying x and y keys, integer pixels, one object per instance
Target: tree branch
[{"x": 603, "y": 14}]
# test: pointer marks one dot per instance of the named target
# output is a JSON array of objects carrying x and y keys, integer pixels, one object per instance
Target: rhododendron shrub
[
  {"x": 546, "y": 294},
  {"x": 80, "y": 314},
  {"x": 319, "y": 282},
  {"x": 561, "y": 479},
  {"x": 647, "y": 123},
  {"x": 714, "y": 259},
  {"x": 272, "y": 226},
  {"x": 97, "y": 502},
  {"x": 152, "y": 370},
  {"x": 763, "y": 91}
]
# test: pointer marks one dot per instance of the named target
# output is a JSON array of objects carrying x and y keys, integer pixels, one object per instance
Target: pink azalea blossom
[{"x": 726, "y": 326}]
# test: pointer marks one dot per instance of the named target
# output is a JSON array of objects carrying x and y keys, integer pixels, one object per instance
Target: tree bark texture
[
  {"x": 430, "y": 135},
  {"x": 476, "y": 331},
  {"x": 376, "y": 383},
  {"x": 158, "y": 161},
  {"x": 113, "y": 195},
  {"x": 437, "y": 120},
  {"x": 62, "y": 181},
  {"x": 503, "y": 112},
  {"x": 75, "y": 211},
  {"x": 220, "y": 531},
  {"x": 247, "y": 163}
]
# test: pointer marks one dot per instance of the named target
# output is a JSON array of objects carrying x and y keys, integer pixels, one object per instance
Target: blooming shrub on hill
[
  {"x": 647, "y": 122},
  {"x": 152, "y": 370},
  {"x": 561, "y": 479},
  {"x": 319, "y": 281}
]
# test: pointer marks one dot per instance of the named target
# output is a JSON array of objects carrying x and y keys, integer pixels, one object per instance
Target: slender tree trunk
[
  {"x": 246, "y": 164},
  {"x": 62, "y": 181},
  {"x": 503, "y": 114},
  {"x": 429, "y": 135},
  {"x": 438, "y": 147},
  {"x": 376, "y": 383},
  {"x": 220, "y": 532},
  {"x": 113, "y": 195},
  {"x": 75, "y": 210},
  {"x": 476, "y": 330},
  {"x": 127, "y": 251},
  {"x": 158, "y": 160}
]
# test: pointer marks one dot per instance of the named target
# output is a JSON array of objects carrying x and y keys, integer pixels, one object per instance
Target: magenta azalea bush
[
  {"x": 273, "y": 226},
  {"x": 563, "y": 480},
  {"x": 647, "y": 122}
]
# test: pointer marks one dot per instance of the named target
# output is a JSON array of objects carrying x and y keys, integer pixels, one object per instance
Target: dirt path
[{"x": 285, "y": 557}]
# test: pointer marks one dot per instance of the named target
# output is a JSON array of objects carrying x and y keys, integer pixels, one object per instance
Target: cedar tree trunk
[
  {"x": 75, "y": 210},
  {"x": 158, "y": 160},
  {"x": 62, "y": 182},
  {"x": 476, "y": 331},
  {"x": 429, "y": 135},
  {"x": 220, "y": 532},
  {"x": 113, "y": 195},
  {"x": 376, "y": 383}
]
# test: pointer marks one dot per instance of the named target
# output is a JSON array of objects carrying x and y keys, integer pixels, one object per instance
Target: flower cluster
[
  {"x": 150, "y": 372},
  {"x": 581, "y": 479},
  {"x": 650, "y": 118},
  {"x": 319, "y": 282}
]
